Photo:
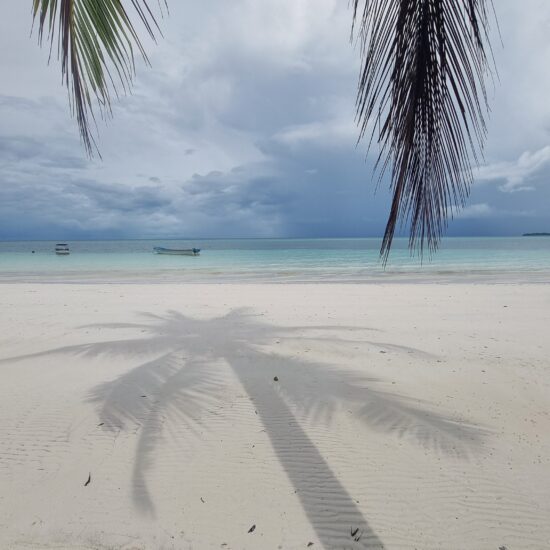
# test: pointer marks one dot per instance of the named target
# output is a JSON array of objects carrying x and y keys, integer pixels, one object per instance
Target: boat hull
[
  {"x": 177, "y": 252},
  {"x": 62, "y": 249}
]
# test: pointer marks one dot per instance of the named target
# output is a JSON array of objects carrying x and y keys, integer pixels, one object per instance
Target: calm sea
[{"x": 522, "y": 259}]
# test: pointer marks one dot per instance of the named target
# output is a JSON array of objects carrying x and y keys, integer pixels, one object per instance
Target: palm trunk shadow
[{"x": 329, "y": 507}]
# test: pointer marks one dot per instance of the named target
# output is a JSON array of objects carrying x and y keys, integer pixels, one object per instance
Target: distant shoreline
[{"x": 536, "y": 235}]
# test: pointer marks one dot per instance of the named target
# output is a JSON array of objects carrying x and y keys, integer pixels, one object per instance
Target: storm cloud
[{"x": 244, "y": 126}]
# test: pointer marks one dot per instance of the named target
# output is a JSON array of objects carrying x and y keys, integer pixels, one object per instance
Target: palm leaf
[
  {"x": 422, "y": 95},
  {"x": 96, "y": 41}
]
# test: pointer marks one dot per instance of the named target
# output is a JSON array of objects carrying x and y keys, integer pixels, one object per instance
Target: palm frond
[
  {"x": 95, "y": 41},
  {"x": 422, "y": 96}
]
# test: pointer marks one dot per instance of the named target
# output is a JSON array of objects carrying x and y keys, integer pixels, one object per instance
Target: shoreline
[{"x": 192, "y": 277}]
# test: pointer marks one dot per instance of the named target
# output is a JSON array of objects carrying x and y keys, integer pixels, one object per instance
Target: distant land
[{"x": 536, "y": 234}]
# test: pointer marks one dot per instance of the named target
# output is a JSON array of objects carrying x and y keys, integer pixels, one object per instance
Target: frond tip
[
  {"x": 422, "y": 96},
  {"x": 95, "y": 41}
]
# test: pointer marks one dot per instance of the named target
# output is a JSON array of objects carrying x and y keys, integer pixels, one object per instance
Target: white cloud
[
  {"x": 481, "y": 210},
  {"x": 330, "y": 132},
  {"x": 520, "y": 118},
  {"x": 517, "y": 174}
]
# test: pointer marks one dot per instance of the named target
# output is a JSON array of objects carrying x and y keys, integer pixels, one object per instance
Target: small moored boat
[
  {"x": 177, "y": 251},
  {"x": 61, "y": 249}
]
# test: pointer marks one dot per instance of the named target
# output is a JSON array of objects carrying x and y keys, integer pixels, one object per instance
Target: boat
[
  {"x": 62, "y": 249},
  {"x": 177, "y": 251}
]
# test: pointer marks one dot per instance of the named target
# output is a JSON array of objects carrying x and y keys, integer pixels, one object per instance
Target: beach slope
[{"x": 275, "y": 416}]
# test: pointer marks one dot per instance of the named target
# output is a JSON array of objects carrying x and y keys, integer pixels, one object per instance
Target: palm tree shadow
[{"x": 180, "y": 384}]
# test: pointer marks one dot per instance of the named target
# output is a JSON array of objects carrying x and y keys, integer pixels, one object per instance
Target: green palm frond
[
  {"x": 422, "y": 88},
  {"x": 95, "y": 41}
]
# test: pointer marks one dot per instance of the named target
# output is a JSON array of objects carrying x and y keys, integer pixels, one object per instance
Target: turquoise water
[{"x": 277, "y": 260}]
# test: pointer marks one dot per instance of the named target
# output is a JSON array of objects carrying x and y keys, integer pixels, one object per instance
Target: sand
[{"x": 148, "y": 416}]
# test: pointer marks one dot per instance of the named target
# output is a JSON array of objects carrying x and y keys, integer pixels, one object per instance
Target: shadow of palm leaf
[
  {"x": 318, "y": 390},
  {"x": 167, "y": 388},
  {"x": 132, "y": 347},
  {"x": 180, "y": 383}
]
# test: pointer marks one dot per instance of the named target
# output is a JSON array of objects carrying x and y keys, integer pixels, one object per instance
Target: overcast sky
[{"x": 244, "y": 127}]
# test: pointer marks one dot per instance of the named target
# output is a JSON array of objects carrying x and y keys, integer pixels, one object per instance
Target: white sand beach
[{"x": 148, "y": 416}]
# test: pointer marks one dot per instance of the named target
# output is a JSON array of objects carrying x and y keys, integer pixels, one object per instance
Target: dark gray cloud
[{"x": 245, "y": 127}]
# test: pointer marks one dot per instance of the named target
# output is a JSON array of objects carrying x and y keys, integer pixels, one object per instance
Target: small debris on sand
[
  {"x": 88, "y": 481},
  {"x": 251, "y": 530},
  {"x": 276, "y": 378}
]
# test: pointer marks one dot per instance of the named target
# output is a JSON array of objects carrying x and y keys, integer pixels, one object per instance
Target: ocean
[{"x": 494, "y": 259}]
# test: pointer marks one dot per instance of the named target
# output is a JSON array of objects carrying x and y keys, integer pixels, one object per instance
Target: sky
[{"x": 244, "y": 127}]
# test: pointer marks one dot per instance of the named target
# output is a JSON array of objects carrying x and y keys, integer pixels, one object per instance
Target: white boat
[
  {"x": 177, "y": 251},
  {"x": 62, "y": 249}
]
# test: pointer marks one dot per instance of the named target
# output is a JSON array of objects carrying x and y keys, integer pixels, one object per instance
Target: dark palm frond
[
  {"x": 422, "y": 88},
  {"x": 95, "y": 41}
]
